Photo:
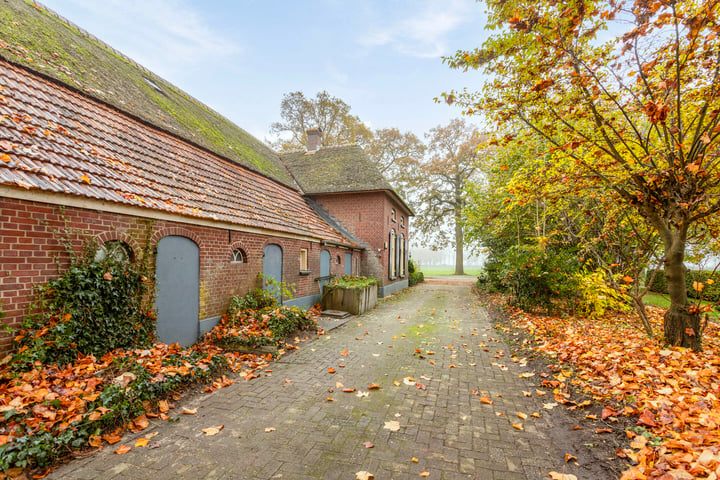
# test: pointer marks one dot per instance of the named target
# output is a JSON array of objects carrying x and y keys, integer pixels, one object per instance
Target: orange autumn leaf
[
  {"x": 85, "y": 178},
  {"x": 486, "y": 400},
  {"x": 122, "y": 449},
  {"x": 4, "y": 157},
  {"x": 518, "y": 426},
  {"x": 141, "y": 442},
  {"x": 344, "y": 352},
  {"x": 331, "y": 370},
  {"x": 373, "y": 386},
  {"x": 95, "y": 441}
]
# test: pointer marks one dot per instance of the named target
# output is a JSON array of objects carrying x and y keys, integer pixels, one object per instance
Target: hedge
[
  {"x": 710, "y": 293},
  {"x": 415, "y": 278}
]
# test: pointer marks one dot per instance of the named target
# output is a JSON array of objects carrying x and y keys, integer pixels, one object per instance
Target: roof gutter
[{"x": 344, "y": 246}]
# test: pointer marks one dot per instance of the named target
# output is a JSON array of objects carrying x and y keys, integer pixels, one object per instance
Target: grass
[
  {"x": 662, "y": 300},
  {"x": 448, "y": 270}
]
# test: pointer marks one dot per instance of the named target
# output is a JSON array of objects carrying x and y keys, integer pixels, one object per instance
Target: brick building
[
  {"x": 96, "y": 150},
  {"x": 346, "y": 188}
]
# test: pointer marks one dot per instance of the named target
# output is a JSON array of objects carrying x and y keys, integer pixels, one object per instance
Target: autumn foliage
[{"x": 670, "y": 393}]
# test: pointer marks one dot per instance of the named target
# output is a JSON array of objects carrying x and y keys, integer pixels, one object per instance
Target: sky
[{"x": 382, "y": 57}]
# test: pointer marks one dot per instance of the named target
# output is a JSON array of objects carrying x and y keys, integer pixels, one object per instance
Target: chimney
[{"x": 314, "y": 139}]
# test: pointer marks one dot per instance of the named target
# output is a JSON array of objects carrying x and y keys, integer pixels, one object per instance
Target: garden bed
[{"x": 350, "y": 294}]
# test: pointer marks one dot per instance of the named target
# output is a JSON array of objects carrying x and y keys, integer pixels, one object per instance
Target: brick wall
[
  {"x": 32, "y": 250},
  {"x": 368, "y": 216}
]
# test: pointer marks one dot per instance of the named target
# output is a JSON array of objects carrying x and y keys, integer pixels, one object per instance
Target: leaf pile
[
  {"x": 50, "y": 411},
  {"x": 672, "y": 392}
]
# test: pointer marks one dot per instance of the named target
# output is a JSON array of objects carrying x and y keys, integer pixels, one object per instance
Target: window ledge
[{"x": 305, "y": 272}]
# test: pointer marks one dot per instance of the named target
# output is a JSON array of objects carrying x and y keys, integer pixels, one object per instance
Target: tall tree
[
  {"x": 441, "y": 181},
  {"x": 637, "y": 112},
  {"x": 397, "y": 156},
  {"x": 300, "y": 113}
]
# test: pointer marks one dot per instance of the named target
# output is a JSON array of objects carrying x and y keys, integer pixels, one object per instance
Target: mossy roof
[
  {"x": 38, "y": 39},
  {"x": 335, "y": 170},
  {"x": 341, "y": 169}
]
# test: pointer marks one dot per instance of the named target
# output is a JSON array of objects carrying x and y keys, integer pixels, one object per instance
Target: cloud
[
  {"x": 167, "y": 33},
  {"x": 424, "y": 33}
]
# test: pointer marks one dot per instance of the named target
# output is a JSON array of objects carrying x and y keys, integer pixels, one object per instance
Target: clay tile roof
[
  {"x": 55, "y": 139},
  {"x": 341, "y": 169},
  {"x": 33, "y": 36}
]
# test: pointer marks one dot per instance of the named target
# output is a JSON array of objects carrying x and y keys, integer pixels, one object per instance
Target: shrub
[
  {"x": 415, "y": 278},
  {"x": 710, "y": 289},
  {"x": 537, "y": 276},
  {"x": 92, "y": 308},
  {"x": 597, "y": 297},
  {"x": 412, "y": 268},
  {"x": 352, "y": 281},
  {"x": 254, "y": 300}
]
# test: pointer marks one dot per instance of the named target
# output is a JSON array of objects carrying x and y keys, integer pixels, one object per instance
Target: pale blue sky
[{"x": 383, "y": 57}]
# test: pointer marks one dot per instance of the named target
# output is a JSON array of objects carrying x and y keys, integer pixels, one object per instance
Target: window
[
  {"x": 401, "y": 255},
  {"x": 238, "y": 256},
  {"x": 391, "y": 256},
  {"x": 114, "y": 251},
  {"x": 303, "y": 259},
  {"x": 392, "y": 215},
  {"x": 337, "y": 260},
  {"x": 402, "y": 220}
]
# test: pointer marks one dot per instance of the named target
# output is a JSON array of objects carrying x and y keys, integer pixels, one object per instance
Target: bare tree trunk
[{"x": 681, "y": 326}]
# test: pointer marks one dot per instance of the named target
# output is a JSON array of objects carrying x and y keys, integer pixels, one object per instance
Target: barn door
[
  {"x": 324, "y": 267},
  {"x": 348, "y": 264},
  {"x": 272, "y": 265},
  {"x": 177, "y": 272}
]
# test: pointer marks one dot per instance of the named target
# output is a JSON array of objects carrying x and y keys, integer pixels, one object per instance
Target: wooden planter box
[{"x": 351, "y": 300}]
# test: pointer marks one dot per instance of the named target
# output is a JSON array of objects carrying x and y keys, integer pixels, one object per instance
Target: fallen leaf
[
  {"x": 213, "y": 430},
  {"x": 569, "y": 457},
  {"x": 95, "y": 440},
  {"x": 189, "y": 411},
  {"x": 331, "y": 370},
  {"x": 414, "y": 460},
  {"x": 86, "y": 179},
  {"x": 141, "y": 442},
  {"x": 603, "y": 430},
  {"x": 392, "y": 425},
  {"x": 122, "y": 449},
  {"x": 348, "y": 390},
  {"x": 373, "y": 386},
  {"x": 363, "y": 475},
  {"x": 562, "y": 476},
  {"x": 425, "y": 474},
  {"x": 522, "y": 415},
  {"x": 486, "y": 400},
  {"x": 368, "y": 444},
  {"x": 344, "y": 352},
  {"x": 518, "y": 426},
  {"x": 269, "y": 429}
]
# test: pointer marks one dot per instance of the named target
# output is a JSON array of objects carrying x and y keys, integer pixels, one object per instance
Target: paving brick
[{"x": 444, "y": 426}]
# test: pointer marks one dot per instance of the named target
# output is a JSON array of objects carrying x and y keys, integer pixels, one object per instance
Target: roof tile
[{"x": 71, "y": 138}]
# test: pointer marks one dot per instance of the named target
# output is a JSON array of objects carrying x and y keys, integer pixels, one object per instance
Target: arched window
[
  {"x": 401, "y": 255},
  {"x": 402, "y": 221},
  {"x": 238, "y": 256},
  {"x": 392, "y": 215},
  {"x": 391, "y": 255},
  {"x": 114, "y": 251}
]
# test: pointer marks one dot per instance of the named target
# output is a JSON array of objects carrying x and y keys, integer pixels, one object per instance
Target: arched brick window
[
  {"x": 238, "y": 256},
  {"x": 114, "y": 250}
]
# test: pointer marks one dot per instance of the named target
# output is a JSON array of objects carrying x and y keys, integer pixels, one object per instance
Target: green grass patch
[
  {"x": 662, "y": 300},
  {"x": 444, "y": 270}
]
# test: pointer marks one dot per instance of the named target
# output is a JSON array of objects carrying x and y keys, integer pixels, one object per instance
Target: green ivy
[{"x": 93, "y": 308}]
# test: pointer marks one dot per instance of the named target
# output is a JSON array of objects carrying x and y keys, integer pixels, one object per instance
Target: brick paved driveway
[{"x": 444, "y": 426}]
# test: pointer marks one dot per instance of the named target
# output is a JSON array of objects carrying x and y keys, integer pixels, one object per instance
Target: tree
[
  {"x": 300, "y": 113},
  {"x": 441, "y": 183},
  {"x": 637, "y": 114},
  {"x": 397, "y": 156}
]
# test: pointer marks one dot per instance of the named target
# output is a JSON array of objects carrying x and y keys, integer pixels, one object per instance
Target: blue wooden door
[
  {"x": 272, "y": 265},
  {"x": 324, "y": 267},
  {"x": 348, "y": 264},
  {"x": 177, "y": 304}
]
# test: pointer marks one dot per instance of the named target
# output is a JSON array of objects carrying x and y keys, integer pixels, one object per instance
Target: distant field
[{"x": 441, "y": 270}]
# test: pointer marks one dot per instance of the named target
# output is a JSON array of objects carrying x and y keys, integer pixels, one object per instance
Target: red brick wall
[
  {"x": 31, "y": 246},
  {"x": 368, "y": 216}
]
